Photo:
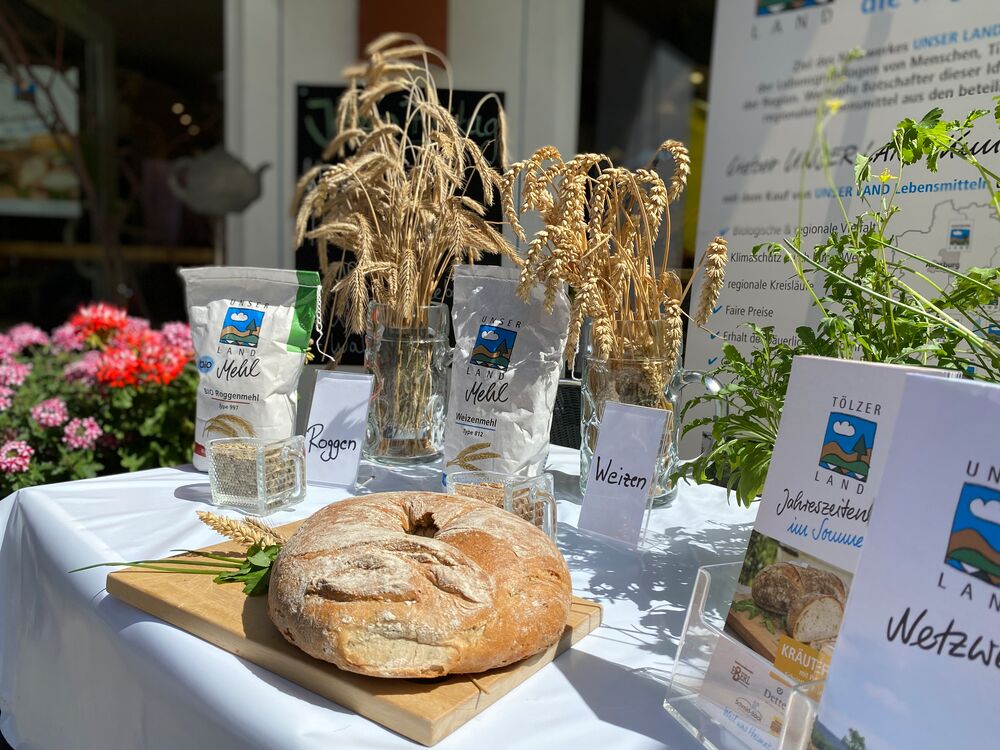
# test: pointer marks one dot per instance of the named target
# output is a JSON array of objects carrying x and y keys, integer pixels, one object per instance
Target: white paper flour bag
[
  {"x": 508, "y": 359},
  {"x": 250, "y": 328}
]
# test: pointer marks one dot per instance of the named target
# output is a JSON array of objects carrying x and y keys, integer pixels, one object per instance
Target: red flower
[
  {"x": 118, "y": 368},
  {"x": 99, "y": 319}
]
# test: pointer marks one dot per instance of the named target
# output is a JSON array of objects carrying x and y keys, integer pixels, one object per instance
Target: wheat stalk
[
  {"x": 599, "y": 232},
  {"x": 249, "y": 531},
  {"x": 397, "y": 199},
  {"x": 714, "y": 270}
]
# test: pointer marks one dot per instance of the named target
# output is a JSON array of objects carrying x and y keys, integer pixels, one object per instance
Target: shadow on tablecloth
[
  {"x": 621, "y": 697},
  {"x": 657, "y": 582}
]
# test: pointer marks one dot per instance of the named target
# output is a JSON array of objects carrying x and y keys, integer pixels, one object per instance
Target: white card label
[
  {"x": 623, "y": 471},
  {"x": 335, "y": 431}
]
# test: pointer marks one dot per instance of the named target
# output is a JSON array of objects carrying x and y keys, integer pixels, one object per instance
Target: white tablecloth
[{"x": 79, "y": 669}]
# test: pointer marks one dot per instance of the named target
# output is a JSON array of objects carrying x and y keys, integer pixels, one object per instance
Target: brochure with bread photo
[
  {"x": 788, "y": 607},
  {"x": 835, "y": 431},
  {"x": 917, "y": 663}
]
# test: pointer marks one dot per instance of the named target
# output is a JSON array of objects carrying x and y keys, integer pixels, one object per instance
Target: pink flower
[
  {"x": 177, "y": 334},
  {"x": 14, "y": 373},
  {"x": 81, "y": 434},
  {"x": 67, "y": 338},
  {"x": 15, "y": 456},
  {"x": 50, "y": 413},
  {"x": 6, "y": 397},
  {"x": 83, "y": 369},
  {"x": 7, "y": 348},
  {"x": 25, "y": 335}
]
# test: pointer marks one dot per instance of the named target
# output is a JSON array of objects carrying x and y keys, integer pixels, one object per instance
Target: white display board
[{"x": 769, "y": 63}]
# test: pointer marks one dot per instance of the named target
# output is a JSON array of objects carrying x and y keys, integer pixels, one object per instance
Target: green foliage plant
[{"x": 878, "y": 301}]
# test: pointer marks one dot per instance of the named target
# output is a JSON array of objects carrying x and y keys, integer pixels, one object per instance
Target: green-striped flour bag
[{"x": 250, "y": 328}]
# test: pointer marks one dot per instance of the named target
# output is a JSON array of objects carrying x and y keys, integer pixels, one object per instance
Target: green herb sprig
[{"x": 252, "y": 569}]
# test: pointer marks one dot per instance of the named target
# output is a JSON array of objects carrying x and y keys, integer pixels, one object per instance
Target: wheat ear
[
  {"x": 682, "y": 168},
  {"x": 715, "y": 278},
  {"x": 251, "y": 531}
]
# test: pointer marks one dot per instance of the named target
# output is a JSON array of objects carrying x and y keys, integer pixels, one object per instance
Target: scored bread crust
[
  {"x": 418, "y": 584},
  {"x": 779, "y": 585}
]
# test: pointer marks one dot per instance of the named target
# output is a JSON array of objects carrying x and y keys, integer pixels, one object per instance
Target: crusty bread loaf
[
  {"x": 777, "y": 586},
  {"x": 815, "y": 617},
  {"x": 418, "y": 584}
]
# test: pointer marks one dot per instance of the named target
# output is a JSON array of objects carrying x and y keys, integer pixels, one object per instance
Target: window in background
[
  {"x": 85, "y": 209},
  {"x": 643, "y": 80}
]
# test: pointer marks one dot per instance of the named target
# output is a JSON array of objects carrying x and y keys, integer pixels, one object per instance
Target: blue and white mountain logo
[
  {"x": 241, "y": 327},
  {"x": 770, "y": 7},
  {"x": 493, "y": 347},
  {"x": 974, "y": 544},
  {"x": 847, "y": 445}
]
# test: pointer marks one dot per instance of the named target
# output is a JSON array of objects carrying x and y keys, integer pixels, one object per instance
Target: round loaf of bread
[{"x": 418, "y": 584}]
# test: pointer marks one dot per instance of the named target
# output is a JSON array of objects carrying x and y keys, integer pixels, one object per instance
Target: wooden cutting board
[
  {"x": 423, "y": 710},
  {"x": 753, "y": 632}
]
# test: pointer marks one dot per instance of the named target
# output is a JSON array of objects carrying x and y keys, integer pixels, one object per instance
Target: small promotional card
[
  {"x": 336, "y": 428},
  {"x": 836, "y": 427},
  {"x": 918, "y": 658},
  {"x": 623, "y": 471}
]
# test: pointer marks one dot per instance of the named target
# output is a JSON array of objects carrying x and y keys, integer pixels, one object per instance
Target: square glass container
[
  {"x": 257, "y": 476},
  {"x": 531, "y": 498}
]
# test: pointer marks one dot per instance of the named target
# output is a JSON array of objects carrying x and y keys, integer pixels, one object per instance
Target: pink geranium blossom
[
  {"x": 25, "y": 335},
  {"x": 15, "y": 456},
  {"x": 82, "y": 434},
  {"x": 83, "y": 369},
  {"x": 7, "y": 348},
  {"x": 67, "y": 338},
  {"x": 177, "y": 334},
  {"x": 6, "y": 397},
  {"x": 14, "y": 373},
  {"x": 50, "y": 413}
]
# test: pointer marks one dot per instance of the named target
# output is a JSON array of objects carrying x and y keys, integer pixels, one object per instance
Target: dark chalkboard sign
[{"x": 316, "y": 118}]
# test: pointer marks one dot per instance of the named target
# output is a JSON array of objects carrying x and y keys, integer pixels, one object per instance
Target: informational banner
[
  {"x": 769, "y": 69},
  {"x": 36, "y": 178}
]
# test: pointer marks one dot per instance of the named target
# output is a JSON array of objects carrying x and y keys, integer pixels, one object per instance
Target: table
[{"x": 79, "y": 669}]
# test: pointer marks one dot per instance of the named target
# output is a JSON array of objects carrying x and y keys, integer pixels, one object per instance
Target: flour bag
[
  {"x": 508, "y": 359},
  {"x": 250, "y": 328}
]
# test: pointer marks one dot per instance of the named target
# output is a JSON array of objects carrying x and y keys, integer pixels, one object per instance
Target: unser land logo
[
  {"x": 493, "y": 347},
  {"x": 241, "y": 327},
  {"x": 974, "y": 543},
  {"x": 847, "y": 445}
]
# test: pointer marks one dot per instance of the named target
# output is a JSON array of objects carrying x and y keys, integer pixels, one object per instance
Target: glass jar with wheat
[
  {"x": 396, "y": 199},
  {"x": 600, "y": 225}
]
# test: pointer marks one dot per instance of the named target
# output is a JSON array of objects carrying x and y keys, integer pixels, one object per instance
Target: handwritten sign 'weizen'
[
  {"x": 623, "y": 470},
  {"x": 336, "y": 428}
]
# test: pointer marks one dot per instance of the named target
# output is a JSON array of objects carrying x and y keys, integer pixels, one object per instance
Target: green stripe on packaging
[{"x": 304, "y": 317}]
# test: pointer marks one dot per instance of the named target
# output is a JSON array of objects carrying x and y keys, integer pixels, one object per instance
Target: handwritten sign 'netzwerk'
[
  {"x": 623, "y": 471},
  {"x": 336, "y": 431}
]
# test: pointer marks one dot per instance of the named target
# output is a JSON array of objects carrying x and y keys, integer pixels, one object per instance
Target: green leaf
[{"x": 862, "y": 169}]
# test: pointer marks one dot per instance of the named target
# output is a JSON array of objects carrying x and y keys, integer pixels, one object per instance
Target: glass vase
[
  {"x": 643, "y": 375},
  {"x": 408, "y": 359}
]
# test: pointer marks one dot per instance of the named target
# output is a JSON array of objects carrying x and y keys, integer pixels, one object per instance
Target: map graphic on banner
[{"x": 769, "y": 67}]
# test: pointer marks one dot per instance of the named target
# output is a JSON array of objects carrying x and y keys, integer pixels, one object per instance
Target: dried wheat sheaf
[
  {"x": 396, "y": 199},
  {"x": 599, "y": 235}
]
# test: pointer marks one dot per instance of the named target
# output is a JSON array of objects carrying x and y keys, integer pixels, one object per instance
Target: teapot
[{"x": 215, "y": 183}]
